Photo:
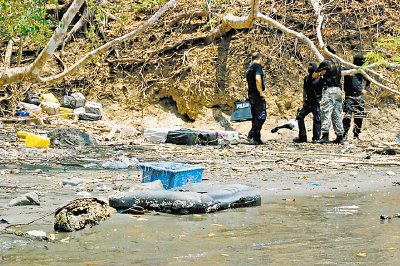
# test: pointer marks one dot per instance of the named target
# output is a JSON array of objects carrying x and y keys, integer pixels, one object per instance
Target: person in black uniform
[
  {"x": 331, "y": 103},
  {"x": 312, "y": 91},
  {"x": 354, "y": 87},
  {"x": 256, "y": 87}
]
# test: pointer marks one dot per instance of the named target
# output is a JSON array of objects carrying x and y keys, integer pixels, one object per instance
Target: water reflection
[{"x": 327, "y": 230}]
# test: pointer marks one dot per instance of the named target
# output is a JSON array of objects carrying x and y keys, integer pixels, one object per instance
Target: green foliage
[
  {"x": 148, "y": 5},
  {"x": 387, "y": 50},
  {"x": 22, "y": 19}
]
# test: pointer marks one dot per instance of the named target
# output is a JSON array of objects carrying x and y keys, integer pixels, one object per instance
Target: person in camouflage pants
[
  {"x": 354, "y": 87},
  {"x": 331, "y": 103}
]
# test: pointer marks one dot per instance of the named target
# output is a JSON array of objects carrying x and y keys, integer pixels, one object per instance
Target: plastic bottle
[{"x": 37, "y": 141}]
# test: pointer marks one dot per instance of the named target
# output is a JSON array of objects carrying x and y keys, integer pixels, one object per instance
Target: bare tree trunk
[
  {"x": 7, "y": 57},
  {"x": 21, "y": 42}
]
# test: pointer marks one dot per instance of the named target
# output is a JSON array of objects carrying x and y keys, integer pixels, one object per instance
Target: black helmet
[{"x": 359, "y": 59}]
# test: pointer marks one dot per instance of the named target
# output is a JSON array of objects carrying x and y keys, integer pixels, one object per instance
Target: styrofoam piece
[
  {"x": 156, "y": 135},
  {"x": 50, "y": 108},
  {"x": 30, "y": 108}
]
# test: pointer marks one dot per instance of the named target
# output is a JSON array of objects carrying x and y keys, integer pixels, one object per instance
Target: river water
[{"x": 343, "y": 229}]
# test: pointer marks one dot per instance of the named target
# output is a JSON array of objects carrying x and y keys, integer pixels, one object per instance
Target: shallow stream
[{"x": 343, "y": 229}]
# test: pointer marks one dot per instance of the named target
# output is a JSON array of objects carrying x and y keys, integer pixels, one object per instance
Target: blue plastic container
[{"x": 170, "y": 174}]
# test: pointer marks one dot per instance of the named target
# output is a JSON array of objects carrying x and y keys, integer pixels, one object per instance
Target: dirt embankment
[{"x": 174, "y": 63}]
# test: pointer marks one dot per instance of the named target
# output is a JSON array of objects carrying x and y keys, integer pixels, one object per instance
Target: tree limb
[
  {"x": 320, "y": 19},
  {"x": 7, "y": 57},
  {"x": 109, "y": 44},
  {"x": 32, "y": 71}
]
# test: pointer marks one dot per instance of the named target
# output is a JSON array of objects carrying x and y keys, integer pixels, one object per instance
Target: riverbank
[{"x": 276, "y": 170}]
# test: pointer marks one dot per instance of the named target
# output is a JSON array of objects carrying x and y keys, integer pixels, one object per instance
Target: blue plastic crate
[{"x": 170, "y": 174}]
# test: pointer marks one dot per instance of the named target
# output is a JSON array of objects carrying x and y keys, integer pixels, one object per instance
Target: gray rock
[
  {"x": 71, "y": 182},
  {"x": 70, "y": 137},
  {"x": 30, "y": 198}
]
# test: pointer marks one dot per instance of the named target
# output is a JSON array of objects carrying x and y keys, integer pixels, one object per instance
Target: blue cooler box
[{"x": 171, "y": 175}]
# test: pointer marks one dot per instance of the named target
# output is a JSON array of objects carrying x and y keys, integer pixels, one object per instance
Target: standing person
[
  {"x": 331, "y": 103},
  {"x": 256, "y": 87},
  {"x": 311, "y": 97},
  {"x": 354, "y": 87}
]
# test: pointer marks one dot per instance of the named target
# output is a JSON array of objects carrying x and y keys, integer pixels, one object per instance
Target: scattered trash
[
  {"x": 30, "y": 198},
  {"x": 189, "y": 199},
  {"x": 2, "y": 221},
  {"x": 156, "y": 135},
  {"x": 32, "y": 99},
  {"x": 67, "y": 113},
  {"x": 361, "y": 254},
  {"x": 171, "y": 174},
  {"x": 385, "y": 217},
  {"x": 397, "y": 215},
  {"x": 30, "y": 108},
  {"x": 15, "y": 171},
  {"x": 346, "y": 210},
  {"x": 50, "y": 108},
  {"x": 121, "y": 163},
  {"x": 289, "y": 200},
  {"x": 83, "y": 194},
  {"x": 81, "y": 213},
  {"x": 48, "y": 97},
  {"x": 37, "y": 233},
  {"x": 225, "y": 153},
  {"x": 316, "y": 185},
  {"x": 396, "y": 183},
  {"x": 147, "y": 186},
  {"x": 71, "y": 182},
  {"x": 21, "y": 113},
  {"x": 32, "y": 140},
  {"x": 391, "y": 173}
]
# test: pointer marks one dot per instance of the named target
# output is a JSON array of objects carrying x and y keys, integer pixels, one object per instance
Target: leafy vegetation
[
  {"x": 148, "y": 5},
  {"x": 23, "y": 19},
  {"x": 387, "y": 50}
]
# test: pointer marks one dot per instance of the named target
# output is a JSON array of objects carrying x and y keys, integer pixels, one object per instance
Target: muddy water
[{"x": 323, "y": 230}]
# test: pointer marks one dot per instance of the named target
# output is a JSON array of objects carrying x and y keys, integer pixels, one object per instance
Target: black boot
[
  {"x": 324, "y": 139},
  {"x": 300, "y": 140},
  {"x": 339, "y": 140}
]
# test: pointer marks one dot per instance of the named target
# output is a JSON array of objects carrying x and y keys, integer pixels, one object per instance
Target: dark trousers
[
  {"x": 259, "y": 114},
  {"x": 353, "y": 105},
  {"x": 313, "y": 108}
]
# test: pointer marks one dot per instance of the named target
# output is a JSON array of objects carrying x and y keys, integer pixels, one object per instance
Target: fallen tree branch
[
  {"x": 109, "y": 44},
  {"x": 33, "y": 71}
]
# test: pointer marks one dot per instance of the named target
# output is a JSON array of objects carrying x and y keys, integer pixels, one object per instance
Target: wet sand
[{"x": 277, "y": 170}]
